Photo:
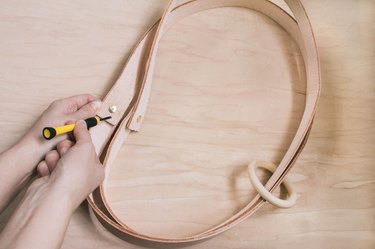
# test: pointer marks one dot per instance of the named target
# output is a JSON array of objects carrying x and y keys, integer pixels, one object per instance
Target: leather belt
[{"x": 127, "y": 101}]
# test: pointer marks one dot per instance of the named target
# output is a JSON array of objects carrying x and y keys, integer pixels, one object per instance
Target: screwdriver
[{"x": 51, "y": 132}]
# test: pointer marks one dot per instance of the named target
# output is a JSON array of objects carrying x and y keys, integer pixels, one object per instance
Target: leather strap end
[{"x": 136, "y": 120}]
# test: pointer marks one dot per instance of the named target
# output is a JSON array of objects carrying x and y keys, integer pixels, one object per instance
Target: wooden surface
[{"x": 186, "y": 170}]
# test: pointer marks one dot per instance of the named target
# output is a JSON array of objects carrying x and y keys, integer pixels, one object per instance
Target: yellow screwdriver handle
[{"x": 51, "y": 132}]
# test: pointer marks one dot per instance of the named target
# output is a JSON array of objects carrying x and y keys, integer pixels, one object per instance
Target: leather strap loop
[{"x": 131, "y": 91}]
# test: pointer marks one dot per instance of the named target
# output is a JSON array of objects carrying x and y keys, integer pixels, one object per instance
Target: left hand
[{"x": 60, "y": 112}]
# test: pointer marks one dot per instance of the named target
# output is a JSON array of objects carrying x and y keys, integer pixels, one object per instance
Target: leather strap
[{"x": 131, "y": 92}]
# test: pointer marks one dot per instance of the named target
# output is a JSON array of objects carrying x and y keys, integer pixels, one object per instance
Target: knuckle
[
  {"x": 89, "y": 110},
  {"x": 50, "y": 155},
  {"x": 84, "y": 144},
  {"x": 70, "y": 108},
  {"x": 67, "y": 144},
  {"x": 60, "y": 145}
]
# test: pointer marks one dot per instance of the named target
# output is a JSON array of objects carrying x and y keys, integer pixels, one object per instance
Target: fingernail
[{"x": 96, "y": 104}]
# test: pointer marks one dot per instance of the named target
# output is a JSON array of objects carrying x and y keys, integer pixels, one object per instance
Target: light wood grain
[{"x": 211, "y": 122}]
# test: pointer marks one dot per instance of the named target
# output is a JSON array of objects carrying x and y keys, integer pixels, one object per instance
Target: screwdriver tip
[{"x": 101, "y": 119}]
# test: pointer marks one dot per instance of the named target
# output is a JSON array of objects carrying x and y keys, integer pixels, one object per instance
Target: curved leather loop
[
  {"x": 264, "y": 193},
  {"x": 131, "y": 91}
]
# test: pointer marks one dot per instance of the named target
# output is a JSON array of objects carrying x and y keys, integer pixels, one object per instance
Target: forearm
[
  {"x": 41, "y": 219},
  {"x": 16, "y": 170}
]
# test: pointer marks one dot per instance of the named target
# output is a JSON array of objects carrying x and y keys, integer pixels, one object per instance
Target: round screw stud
[{"x": 112, "y": 109}]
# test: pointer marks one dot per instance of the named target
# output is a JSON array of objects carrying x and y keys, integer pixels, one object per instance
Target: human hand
[
  {"x": 69, "y": 173},
  {"x": 58, "y": 113},
  {"x": 18, "y": 162},
  {"x": 73, "y": 168}
]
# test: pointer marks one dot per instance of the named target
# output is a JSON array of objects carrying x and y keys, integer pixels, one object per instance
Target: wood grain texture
[{"x": 210, "y": 122}]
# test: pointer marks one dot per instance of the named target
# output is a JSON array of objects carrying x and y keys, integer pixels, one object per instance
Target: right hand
[{"x": 74, "y": 168}]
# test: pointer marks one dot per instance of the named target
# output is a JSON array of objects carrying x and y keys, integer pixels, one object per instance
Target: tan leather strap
[{"x": 131, "y": 92}]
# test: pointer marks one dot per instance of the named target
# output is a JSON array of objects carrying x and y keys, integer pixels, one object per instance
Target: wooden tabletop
[{"x": 186, "y": 170}]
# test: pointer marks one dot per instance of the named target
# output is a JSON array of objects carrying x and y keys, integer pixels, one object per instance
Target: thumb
[
  {"x": 81, "y": 132},
  {"x": 88, "y": 110}
]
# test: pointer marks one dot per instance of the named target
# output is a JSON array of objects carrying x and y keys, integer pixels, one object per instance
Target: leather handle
[{"x": 131, "y": 93}]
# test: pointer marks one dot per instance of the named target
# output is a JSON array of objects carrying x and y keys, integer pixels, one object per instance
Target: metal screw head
[{"x": 112, "y": 108}]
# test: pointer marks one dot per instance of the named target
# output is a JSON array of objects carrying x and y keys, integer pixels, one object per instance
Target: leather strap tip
[{"x": 135, "y": 123}]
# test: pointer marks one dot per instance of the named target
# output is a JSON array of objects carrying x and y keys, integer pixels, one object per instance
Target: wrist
[
  {"x": 68, "y": 196},
  {"x": 36, "y": 143},
  {"x": 25, "y": 155},
  {"x": 18, "y": 162},
  {"x": 47, "y": 194},
  {"x": 43, "y": 211}
]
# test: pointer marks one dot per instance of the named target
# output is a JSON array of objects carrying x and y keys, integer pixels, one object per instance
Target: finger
[
  {"x": 64, "y": 146},
  {"x": 81, "y": 132},
  {"x": 69, "y": 122},
  {"x": 88, "y": 110},
  {"x": 42, "y": 169},
  {"x": 74, "y": 103},
  {"x": 51, "y": 159},
  {"x": 70, "y": 134}
]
